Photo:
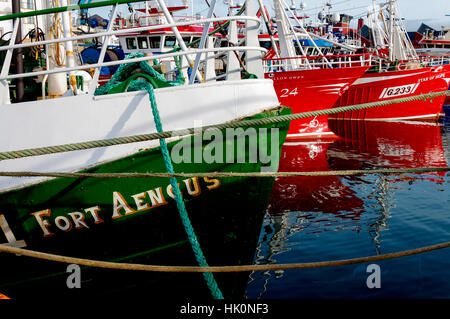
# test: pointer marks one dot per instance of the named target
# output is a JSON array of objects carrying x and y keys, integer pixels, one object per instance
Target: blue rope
[{"x": 143, "y": 85}]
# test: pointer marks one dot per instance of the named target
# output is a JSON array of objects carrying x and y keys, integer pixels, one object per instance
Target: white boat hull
[{"x": 86, "y": 118}]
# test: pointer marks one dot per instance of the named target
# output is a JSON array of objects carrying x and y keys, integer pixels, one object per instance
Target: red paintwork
[
  {"x": 170, "y": 9},
  {"x": 103, "y": 79},
  {"x": 369, "y": 88},
  {"x": 316, "y": 89},
  {"x": 191, "y": 29}
]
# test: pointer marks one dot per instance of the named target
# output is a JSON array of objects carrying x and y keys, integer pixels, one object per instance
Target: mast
[
  {"x": 269, "y": 30},
  {"x": 391, "y": 30},
  {"x": 285, "y": 34},
  {"x": 17, "y": 56}
]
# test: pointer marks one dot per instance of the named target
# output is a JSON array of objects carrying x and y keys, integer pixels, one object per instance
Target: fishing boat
[
  {"x": 163, "y": 40},
  {"x": 309, "y": 80},
  {"x": 428, "y": 41},
  {"x": 400, "y": 73},
  {"x": 391, "y": 69},
  {"x": 132, "y": 219}
]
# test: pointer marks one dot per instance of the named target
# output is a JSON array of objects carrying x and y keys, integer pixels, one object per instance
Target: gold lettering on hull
[{"x": 121, "y": 206}]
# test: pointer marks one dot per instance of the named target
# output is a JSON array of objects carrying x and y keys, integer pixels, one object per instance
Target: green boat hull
[{"x": 135, "y": 220}]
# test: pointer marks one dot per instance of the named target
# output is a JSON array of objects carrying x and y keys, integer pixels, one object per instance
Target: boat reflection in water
[{"x": 318, "y": 205}]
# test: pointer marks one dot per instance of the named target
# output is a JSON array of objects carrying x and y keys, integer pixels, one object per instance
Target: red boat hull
[
  {"x": 312, "y": 90},
  {"x": 373, "y": 87}
]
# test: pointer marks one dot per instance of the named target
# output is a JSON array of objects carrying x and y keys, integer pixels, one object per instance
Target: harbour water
[{"x": 332, "y": 218}]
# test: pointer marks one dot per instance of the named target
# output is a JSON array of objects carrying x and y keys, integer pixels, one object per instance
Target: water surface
[{"x": 331, "y": 218}]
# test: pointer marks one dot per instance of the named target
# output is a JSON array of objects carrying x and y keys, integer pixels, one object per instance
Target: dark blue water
[{"x": 332, "y": 218}]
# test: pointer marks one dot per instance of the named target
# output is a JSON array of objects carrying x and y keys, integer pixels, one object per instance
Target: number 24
[{"x": 286, "y": 93}]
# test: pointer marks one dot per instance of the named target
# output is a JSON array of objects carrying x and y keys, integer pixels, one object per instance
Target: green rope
[
  {"x": 124, "y": 71},
  {"x": 143, "y": 85},
  {"x": 234, "y": 124}
]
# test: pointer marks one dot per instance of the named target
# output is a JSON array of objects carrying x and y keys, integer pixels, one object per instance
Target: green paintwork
[
  {"x": 226, "y": 219},
  {"x": 65, "y": 8}
]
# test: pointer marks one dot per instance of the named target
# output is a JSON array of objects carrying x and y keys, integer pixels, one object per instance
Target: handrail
[
  {"x": 427, "y": 57},
  {"x": 340, "y": 61},
  {"x": 128, "y": 30},
  {"x": 66, "y": 8},
  {"x": 434, "y": 56},
  {"x": 140, "y": 24},
  {"x": 320, "y": 56},
  {"x": 146, "y": 58}
]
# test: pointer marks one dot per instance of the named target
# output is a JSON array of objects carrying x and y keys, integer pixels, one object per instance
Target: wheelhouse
[{"x": 156, "y": 42}]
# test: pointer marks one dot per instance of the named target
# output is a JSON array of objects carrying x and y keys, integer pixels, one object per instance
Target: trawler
[
  {"x": 134, "y": 219},
  {"x": 397, "y": 72},
  {"x": 391, "y": 69}
]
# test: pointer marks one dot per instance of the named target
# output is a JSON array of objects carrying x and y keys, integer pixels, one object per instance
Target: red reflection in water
[
  {"x": 304, "y": 193},
  {"x": 367, "y": 144},
  {"x": 363, "y": 145}
]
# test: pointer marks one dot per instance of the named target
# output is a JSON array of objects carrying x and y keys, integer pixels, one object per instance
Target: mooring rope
[
  {"x": 189, "y": 131},
  {"x": 216, "y": 269},
  {"x": 230, "y": 174},
  {"x": 195, "y": 245}
]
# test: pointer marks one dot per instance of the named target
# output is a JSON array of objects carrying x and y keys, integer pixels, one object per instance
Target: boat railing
[
  {"x": 106, "y": 35},
  {"x": 435, "y": 60},
  {"x": 424, "y": 60},
  {"x": 317, "y": 62}
]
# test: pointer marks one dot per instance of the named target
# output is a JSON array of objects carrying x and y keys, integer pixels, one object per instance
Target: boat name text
[{"x": 121, "y": 206}]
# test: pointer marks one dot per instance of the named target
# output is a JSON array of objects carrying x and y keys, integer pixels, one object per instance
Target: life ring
[{"x": 401, "y": 66}]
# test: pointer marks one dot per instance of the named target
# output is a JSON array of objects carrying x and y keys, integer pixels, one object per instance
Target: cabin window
[
  {"x": 155, "y": 42},
  {"x": 187, "y": 40},
  {"x": 131, "y": 43},
  {"x": 142, "y": 43},
  {"x": 265, "y": 44},
  {"x": 170, "y": 42}
]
